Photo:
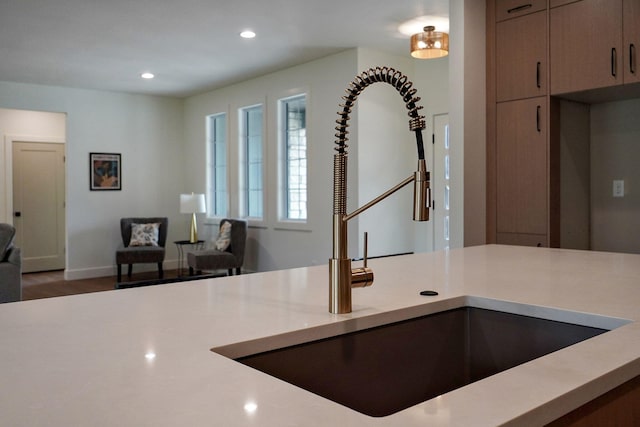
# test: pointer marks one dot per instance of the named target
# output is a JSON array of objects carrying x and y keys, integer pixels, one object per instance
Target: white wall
[
  {"x": 615, "y": 150},
  {"x": 273, "y": 244},
  {"x": 387, "y": 151},
  {"x": 147, "y": 131},
  {"x": 386, "y": 155},
  {"x": 155, "y": 131},
  {"x": 164, "y": 152},
  {"x": 467, "y": 118},
  {"x": 382, "y": 153}
]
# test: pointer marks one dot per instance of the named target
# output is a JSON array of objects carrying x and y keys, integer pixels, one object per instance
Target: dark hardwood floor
[{"x": 52, "y": 284}]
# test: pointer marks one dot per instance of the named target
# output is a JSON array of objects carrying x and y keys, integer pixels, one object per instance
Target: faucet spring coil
[
  {"x": 360, "y": 82},
  {"x": 340, "y": 183},
  {"x": 417, "y": 123}
]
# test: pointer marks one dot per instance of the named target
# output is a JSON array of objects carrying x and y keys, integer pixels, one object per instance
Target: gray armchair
[
  {"x": 10, "y": 266},
  {"x": 145, "y": 253},
  {"x": 231, "y": 258}
]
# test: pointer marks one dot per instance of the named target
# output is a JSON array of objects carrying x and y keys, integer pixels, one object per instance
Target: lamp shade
[
  {"x": 429, "y": 44},
  {"x": 192, "y": 203}
]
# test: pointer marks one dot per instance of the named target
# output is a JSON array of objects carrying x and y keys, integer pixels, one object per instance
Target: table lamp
[{"x": 193, "y": 204}]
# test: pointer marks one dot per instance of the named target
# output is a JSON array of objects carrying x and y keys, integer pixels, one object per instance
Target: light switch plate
[{"x": 618, "y": 188}]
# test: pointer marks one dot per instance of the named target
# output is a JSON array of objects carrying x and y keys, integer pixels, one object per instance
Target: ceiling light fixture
[
  {"x": 429, "y": 44},
  {"x": 147, "y": 75},
  {"x": 247, "y": 34}
]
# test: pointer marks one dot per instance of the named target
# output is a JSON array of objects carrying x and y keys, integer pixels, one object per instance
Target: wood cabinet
[
  {"x": 631, "y": 38},
  {"x": 507, "y": 9},
  {"x": 521, "y": 166},
  {"x": 592, "y": 44},
  {"x": 617, "y": 407},
  {"x": 521, "y": 52},
  {"x": 587, "y": 51},
  {"x": 518, "y": 195}
]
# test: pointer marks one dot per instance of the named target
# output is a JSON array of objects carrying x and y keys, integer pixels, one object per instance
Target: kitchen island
[{"x": 141, "y": 356}]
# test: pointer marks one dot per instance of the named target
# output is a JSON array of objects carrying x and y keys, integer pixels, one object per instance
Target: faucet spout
[
  {"x": 341, "y": 276},
  {"x": 421, "y": 192}
]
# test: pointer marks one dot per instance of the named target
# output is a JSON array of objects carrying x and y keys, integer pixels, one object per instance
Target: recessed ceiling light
[
  {"x": 147, "y": 75},
  {"x": 247, "y": 34}
]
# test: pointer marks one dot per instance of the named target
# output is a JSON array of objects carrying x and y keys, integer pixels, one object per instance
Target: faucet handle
[
  {"x": 362, "y": 277},
  {"x": 366, "y": 247}
]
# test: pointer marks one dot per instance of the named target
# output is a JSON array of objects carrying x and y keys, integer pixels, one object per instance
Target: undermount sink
[{"x": 384, "y": 369}]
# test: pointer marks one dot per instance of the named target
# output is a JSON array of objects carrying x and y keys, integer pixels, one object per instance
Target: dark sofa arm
[
  {"x": 11, "y": 277},
  {"x": 15, "y": 258}
]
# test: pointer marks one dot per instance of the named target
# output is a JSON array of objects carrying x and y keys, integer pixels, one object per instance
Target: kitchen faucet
[{"x": 341, "y": 276}]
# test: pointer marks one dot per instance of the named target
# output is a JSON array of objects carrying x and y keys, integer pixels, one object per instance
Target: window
[
  {"x": 294, "y": 167},
  {"x": 252, "y": 161},
  {"x": 217, "y": 191}
]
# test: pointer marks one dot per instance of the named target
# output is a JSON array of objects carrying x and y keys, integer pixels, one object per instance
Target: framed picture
[{"x": 105, "y": 171}]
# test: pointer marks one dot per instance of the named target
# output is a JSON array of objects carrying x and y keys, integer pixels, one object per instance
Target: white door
[
  {"x": 441, "y": 181},
  {"x": 39, "y": 205}
]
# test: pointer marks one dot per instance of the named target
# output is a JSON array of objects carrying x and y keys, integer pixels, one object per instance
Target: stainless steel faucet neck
[{"x": 341, "y": 276}]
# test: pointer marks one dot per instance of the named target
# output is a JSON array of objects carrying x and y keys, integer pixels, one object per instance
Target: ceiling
[{"x": 191, "y": 45}]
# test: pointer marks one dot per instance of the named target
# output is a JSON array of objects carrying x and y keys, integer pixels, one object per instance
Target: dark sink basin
[{"x": 385, "y": 369}]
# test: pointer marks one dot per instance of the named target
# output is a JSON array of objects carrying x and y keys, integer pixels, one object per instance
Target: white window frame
[
  {"x": 244, "y": 167},
  {"x": 213, "y": 211},
  {"x": 284, "y": 164}
]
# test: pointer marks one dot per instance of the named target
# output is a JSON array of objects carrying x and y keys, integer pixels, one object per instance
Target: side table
[{"x": 180, "y": 244}]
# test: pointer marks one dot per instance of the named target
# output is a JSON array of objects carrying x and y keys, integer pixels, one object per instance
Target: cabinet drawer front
[
  {"x": 585, "y": 46},
  {"x": 521, "y": 57},
  {"x": 521, "y": 167},
  {"x": 506, "y": 9}
]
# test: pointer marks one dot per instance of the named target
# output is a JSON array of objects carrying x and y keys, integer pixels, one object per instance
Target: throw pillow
[
  {"x": 144, "y": 234},
  {"x": 224, "y": 236}
]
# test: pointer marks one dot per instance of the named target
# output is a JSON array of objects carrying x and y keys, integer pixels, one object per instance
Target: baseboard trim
[{"x": 111, "y": 270}]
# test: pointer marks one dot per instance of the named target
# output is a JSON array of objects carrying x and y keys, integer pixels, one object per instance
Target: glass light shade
[
  {"x": 192, "y": 203},
  {"x": 429, "y": 44}
]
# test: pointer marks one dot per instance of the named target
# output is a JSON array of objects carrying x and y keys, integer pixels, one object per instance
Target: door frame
[
  {"x": 8, "y": 168},
  {"x": 438, "y": 184}
]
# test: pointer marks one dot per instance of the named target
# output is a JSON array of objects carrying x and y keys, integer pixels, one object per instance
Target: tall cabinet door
[
  {"x": 521, "y": 51},
  {"x": 586, "y": 45},
  {"x": 631, "y": 27},
  {"x": 522, "y": 195}
]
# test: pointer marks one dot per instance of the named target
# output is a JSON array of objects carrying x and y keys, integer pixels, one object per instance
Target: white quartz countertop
[{"x": 85, "y": 360}]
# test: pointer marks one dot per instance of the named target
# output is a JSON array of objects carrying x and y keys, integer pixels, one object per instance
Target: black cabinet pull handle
[
  {"x": 538, "y": 74},
  {"x": 632, "y": 58},
  {"x": 519, "y": 8},
  {"x": 538, "y": 118},
  {"x": 17, "y": 214},
  {"x": 614, "y": 63}
]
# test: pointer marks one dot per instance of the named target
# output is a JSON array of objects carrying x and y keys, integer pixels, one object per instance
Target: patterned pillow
[
  {"x": 224, "y": 236},
  {"x": 144, "y": 234}
]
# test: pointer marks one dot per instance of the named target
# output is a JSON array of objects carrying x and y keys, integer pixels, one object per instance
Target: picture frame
[{"x": 105, "y": 171}]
